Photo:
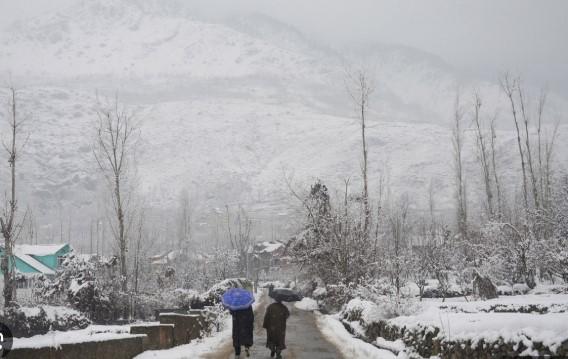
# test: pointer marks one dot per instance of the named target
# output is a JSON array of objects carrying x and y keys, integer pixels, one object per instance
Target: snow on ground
[
  {"x": 307, "y": 304},
  {"x": 498, "y": 318},
  {"x": 198, "y": 348},
  {"x": 91, "y": 333},
  {"x": 545, "y": 303},
  {"x": 350, "y": 347},
  {"x": 194, "y": 350},
  {"x": 396, "y": 346}
]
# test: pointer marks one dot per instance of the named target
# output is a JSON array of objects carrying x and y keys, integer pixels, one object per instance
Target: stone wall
[
  {"x": 158, "y": 336},
  {"x": 186, "y": 326},
  {"x": 174, "y": 329},
  {"x": 124, "y": 348}
]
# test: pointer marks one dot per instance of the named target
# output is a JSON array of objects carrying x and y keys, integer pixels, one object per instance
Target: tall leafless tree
[
  {"x": 493, "y": 140},
  {"x": 10, "y": 225},
  {"x": 457, "y": 143},
  {"x": 360, "y": 87},
  {"x": 114, "y": 151},
  {"x": 240, "y": 236},
  {"x": 510, "y": 86},
  {"x": 184, "y": 221},
  {"x": 483, "y": 154},
  {"x": 526, "y": 119},
  {"x": 545, "y": 151},
  {"x": 399, "y": 229}
]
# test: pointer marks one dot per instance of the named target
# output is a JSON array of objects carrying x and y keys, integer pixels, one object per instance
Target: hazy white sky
[{"x": 482, "y": 36}]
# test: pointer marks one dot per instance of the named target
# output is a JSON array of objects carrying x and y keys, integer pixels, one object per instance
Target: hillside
[{"x": 226, "y": 110}]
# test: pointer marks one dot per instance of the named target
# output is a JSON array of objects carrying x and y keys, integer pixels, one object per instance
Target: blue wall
[{"x": 49, "y": 260}]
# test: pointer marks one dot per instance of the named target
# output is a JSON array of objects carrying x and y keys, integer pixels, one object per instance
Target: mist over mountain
[{"x": 228, "y": 108}]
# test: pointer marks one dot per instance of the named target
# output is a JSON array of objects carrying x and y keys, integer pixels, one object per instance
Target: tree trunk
[
  {"x": 509, "y": 91},
  {"x": 484, "y": 161},
  {"x": 121, "y": 236},
  {"x": 7, "y": 221}
]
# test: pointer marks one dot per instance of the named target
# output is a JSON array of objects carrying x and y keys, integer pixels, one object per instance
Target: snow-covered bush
[
  {"x": 319, "y": 293},
  {"x": 88, "y": 285},
  {"x": 30, "y": 321},
  {"x": 383, "y": 294},
  {"x": 363, "y": 315},
  {"x": 74, "y": 271},
  {"x": 335, "y": 297},
  {"x": 520, "y": 288},
  {"x": 90, "y": 299},
  {"x": 504, "y": 290},
  {"x": 213, "y": 295},
  {"x": 363, "y": 311}
]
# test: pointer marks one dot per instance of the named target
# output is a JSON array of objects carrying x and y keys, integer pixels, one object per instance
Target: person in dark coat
[
  {"x": 275, "y": 325},
  {"x": 243, "y": 323}
]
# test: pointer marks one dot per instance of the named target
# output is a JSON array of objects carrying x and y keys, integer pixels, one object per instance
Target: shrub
[
  {"x": 28, "y": 321},
  {"x": 88, "y": 298},
  {"x": 335, "y": 297},
  {"x": 213, "y": 295}
]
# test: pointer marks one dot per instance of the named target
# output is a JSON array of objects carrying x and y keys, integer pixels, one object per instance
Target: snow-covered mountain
[{"x": 227, "y": 109}]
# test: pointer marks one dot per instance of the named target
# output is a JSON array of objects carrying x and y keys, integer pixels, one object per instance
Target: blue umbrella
[{"x": 237, "y": 299}]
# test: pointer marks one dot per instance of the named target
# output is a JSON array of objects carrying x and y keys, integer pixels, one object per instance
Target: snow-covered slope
[
  {"x": 226, "y": 110},
  {"x": 124, "y": 39}
]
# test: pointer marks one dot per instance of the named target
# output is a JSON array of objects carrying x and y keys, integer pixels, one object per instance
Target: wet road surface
[{"x": 303, "y": 339}]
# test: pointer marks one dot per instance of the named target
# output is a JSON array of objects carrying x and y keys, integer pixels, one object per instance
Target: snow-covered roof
[
  {"x": 165, "y": 257},
  {"x": 268, "y": 247},
  {"x": 39, "y": 249},
  {"x": 34, "y": 263}
]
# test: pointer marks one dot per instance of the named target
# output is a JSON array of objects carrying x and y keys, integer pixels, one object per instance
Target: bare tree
[
  {"x": 398, "y": 252},
  {"x": 114, "y": 150},
  {"x": 545, "y": 151},
  {"x": 141, "y": 247},
  {"x": 457, "y": 142},
  {"x": 549, "y": 144},
  {"x": 332, "y": 245},
  {"x": 526, "y": 120},
  {"x": 240, "y": 238},
  {"x": 541, "y": 104},
  {"x": 483, "y": 155},
  {"x": 184, "y": 220},
  {"x": 31, "y": 226},
  {"x": 493, "y": 139},
  {"x": 9, "y": 223},
  {"x": 360, "y": 87},
  {"x": 510, "y": 86}
]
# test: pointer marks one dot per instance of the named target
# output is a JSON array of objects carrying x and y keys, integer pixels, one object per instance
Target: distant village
[{"x": 33, "y": 261}]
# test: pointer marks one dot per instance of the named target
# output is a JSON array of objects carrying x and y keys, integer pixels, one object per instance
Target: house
[
  {"x": 268, "y": 254},
  {"x": 165, "y": 258},
  {"x": 31, "y": 260}
]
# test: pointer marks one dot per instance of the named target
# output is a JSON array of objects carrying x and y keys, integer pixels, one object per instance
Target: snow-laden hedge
[
  {"x": 30, "y": 321},
  {"x": 483, "y": 329},
  {"x": 359, "y": 314},
  {"x": 430, "y": 340},
  {"x": 363, "y": 311}
]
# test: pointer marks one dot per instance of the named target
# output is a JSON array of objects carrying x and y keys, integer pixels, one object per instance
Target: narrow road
[{"x": 303, "y": 339}]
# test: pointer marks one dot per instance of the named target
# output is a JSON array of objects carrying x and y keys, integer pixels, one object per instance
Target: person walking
[
  {"x": 243, "y": 324},
  {"x": 275, "y": 324}
]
